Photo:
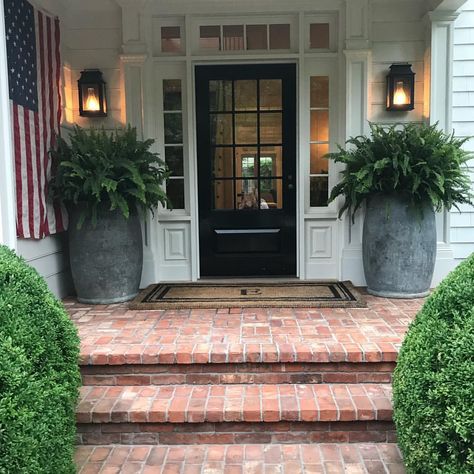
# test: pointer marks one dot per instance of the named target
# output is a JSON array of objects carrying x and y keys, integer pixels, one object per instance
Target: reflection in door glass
[
  {"x": 246, "y": 191},
  {"x": 221, "y": 129},
  {"x": 270, "y": 94},
  {"x": 271, "y": 128},
  {"x": 220, "y": 96},
  {"x": 224, "y": 194},
  {"x": 222, "y": 162},
  {"x": 271, "y": 194},
  {"x": 246, "y": 128},
  {"x": 245, "y": 162},
  {"x": 275, "y": 153},
  {"x": 245, "y": 95}
]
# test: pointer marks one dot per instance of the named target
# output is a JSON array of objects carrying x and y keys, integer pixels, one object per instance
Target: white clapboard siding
[
  {"x": 462, "y": 223},
  {"x": 49, "y": 257},
  {"x": 397, "y": 36}
]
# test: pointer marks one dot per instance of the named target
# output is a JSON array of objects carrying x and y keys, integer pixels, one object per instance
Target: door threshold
[{"x": 252, "y": 279}]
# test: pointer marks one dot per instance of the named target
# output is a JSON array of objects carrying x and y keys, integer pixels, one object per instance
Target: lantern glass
[
  {"x": 92, "y": 100},
  {"x": 400, "y": 88}
]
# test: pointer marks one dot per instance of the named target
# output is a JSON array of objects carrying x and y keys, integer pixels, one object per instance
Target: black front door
[{"x": 246, "y": 127}]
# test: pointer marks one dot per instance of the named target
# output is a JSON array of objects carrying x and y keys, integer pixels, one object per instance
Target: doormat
[{"x": 256, "y": 295}]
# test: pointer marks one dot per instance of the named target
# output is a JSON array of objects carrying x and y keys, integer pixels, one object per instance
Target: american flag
[{"x": 35, "y": 101}]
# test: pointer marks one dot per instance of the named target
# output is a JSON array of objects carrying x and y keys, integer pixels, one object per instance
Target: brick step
[
  {"x": 246, "y": 373},
  {"x": 324, "y": 352},
  {"x": 187, "y": 414},
  {"x": 263, "y": 458}
]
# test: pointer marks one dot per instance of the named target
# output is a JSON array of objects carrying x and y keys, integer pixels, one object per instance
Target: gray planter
[
  {"x": 399, "y": 247},
  {"x": 106, "y": 261}
]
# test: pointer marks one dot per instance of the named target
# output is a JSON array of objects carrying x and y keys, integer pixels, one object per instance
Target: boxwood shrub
[
  {"x": 433, "y": 387},
  {"x": 39, "y": 375}
]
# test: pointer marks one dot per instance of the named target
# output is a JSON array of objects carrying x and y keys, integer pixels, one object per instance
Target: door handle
[{"x": 290, "y": 186}]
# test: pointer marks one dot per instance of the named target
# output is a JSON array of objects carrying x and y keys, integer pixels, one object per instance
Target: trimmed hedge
[
  {"x": 39, "y": 374},
  {"x": 433, "y": 386}
]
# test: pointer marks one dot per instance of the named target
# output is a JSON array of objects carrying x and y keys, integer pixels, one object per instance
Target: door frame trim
[{"x": 194, "y": 194}]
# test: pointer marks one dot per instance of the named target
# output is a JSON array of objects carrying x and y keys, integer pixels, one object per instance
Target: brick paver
[
  {"x": 234, "y": 403},
  {"x": 364, "y": 458},
  {"x": 112, "y": 334}
]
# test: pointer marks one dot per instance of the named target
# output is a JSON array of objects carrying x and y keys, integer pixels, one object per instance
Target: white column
[
  {"x": 358, "y": 58},
  {"x": 7, "y": 176},
  {"x": 441, "y": 88}
]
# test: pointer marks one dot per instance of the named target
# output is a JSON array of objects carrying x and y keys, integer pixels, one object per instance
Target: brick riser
[
  {"x": 202, "y": 374},
  {"x": 236, "y": 433}
]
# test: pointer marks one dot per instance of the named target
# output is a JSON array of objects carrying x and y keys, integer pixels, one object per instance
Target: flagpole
[{"x": 7, "y": 177}]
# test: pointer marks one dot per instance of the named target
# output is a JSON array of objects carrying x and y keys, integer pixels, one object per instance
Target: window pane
[
  {"x": 257, "y": 37},
  {"x": 220, "y": 96},
  {"x": 271, "y": 161},
  {"x": 246, "y": 128},
  {"x": 318, "y": 191},
  {"x": 271, "y": 128},
  {"x": 175, "y": 192},
  {"x": 222, "y": 162},
  {"x": 280, "y": 37},
  {"x": 319, "y": 36},
  {"x": 173, "y": 128},
  {"x": 270, "y": 94},
  {"x": 174, "y": 160},
  {"x": 233, "y": 37},
  {"x": 170, "y": 39},
  {"x": 224, "y": 194},
  {"x": 319, "y": 125},
  {"x": 221, "y": 129},
  {"x": 172, "y": 94},
  {"x": 246, "y": 191},
  {"x": 246, "y": 162},
  {"x": 319, "y": 91},
  {"x": 210, "y": 37},
  {"x": 271, "y": 193},
  {"x": 245, "y": 95},
  {"x": 319, "y": 164}
]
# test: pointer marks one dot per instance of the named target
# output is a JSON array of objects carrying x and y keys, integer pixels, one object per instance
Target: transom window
[{"x": 241, "y": 37}]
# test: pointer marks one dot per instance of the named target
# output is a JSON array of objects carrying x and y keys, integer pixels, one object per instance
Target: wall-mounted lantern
[
  {"x": 400, "y": 88},
  {"x": 92, "y": 100}
]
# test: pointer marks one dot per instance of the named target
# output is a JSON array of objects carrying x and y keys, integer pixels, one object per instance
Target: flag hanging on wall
[{"x": 34, "y": 64}]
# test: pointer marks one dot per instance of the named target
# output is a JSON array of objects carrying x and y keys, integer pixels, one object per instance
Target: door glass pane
[
  {"x": 245, "y": 95},
  {"x": 220, "y": 96},
  {"x": 280, "y": 36},
  {"x": 210, "y": 37},
  {"x": 271, "y": 194},
  {"x": 246, "y": 128},
  {"x": 170, "y": 39},
  {"x": 319, "y": 125},
  {"x": 223, "y": 194},
  {"x": 174, "y": 160},
  {"x": 318, "y": 191},
  {"x": 246, "y": 191},
  {"x": 246, "y": 162},
  {"x": 271, "y": 161},
  {"x": 223, "y": 162},
  {"x": 319, "y": 36},
  {"x": 221, "y": 129},
  {"x": 270, "y": 94},
  {"x": 257, "y": 37},
  {"x": 173, "y": 128},
  {"x": 175, "y": 192},
  {"x": 318, "y": 164},
  {"x": 271, "y": 128},
  {"x": 319, "y": 92},
  {"x": 172, "y": 94},
  {"x": 233, "y": 37}
]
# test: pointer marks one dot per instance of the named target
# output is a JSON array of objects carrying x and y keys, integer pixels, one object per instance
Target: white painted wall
[{"x": 462, "y": 223}]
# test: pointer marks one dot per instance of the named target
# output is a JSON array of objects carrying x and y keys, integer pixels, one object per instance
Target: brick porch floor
[
  {"x": 239, "y": 390},
  {"x": 111, "y": 333}
]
